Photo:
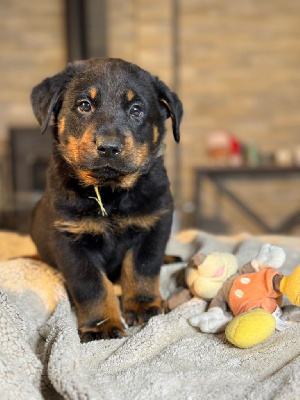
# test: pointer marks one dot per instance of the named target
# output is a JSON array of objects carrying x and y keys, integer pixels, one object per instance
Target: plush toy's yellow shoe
[
  {"x": 250, "y": 328},
  {"x": 290, "y": 286}
]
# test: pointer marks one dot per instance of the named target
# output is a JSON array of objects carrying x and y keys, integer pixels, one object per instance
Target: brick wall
[
  {"x": 239, "y": 70},
  {"x": 32, "y": 46}
]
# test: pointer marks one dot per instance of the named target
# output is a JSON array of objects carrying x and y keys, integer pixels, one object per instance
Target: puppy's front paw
[
  {"x": 106, "y": 329},
  {"x": 139, "y": 313}
]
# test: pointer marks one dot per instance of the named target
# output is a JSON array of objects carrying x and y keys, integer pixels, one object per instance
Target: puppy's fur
[{"x": 108, "y": 132}]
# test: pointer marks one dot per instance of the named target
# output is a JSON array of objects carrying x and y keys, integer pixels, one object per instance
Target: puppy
[{"x": 107, "y": 208}]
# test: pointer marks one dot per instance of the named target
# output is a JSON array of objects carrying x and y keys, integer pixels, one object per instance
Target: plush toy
[
  {"x": 205, "y": 274},
  {"x": 254, "y": 297}
]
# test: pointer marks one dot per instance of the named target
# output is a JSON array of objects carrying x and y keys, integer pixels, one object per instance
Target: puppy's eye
[
  {"x": 136, "y": 112},
  {"x": 84, "y": 106}
]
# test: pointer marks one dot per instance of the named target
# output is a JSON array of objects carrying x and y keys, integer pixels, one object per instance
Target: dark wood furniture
[{"x": 219, "y": 175}]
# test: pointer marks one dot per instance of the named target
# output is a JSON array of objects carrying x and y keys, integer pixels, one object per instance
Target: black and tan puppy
[{"x": 107, "y": 209}]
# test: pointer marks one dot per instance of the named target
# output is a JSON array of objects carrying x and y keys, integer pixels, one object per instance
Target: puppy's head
[{"x": 109, "y": 118}]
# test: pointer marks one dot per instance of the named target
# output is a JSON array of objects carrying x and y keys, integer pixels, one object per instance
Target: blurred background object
[
  {"x": 224, "y": 149},
  {"x": 235, "y": 66}
]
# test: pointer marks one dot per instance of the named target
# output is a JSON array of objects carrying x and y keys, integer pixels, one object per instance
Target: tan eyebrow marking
[
  {"x": 130, "y": 95},
  {"x": 93, "y": 93}
]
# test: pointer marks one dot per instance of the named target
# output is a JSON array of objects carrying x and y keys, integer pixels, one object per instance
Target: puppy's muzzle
[{"x": 109, "y": 147}]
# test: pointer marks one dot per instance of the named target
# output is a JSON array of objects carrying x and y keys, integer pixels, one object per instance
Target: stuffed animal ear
[
  {"x": 45, "y": 96},
  {"x": 172, "y": 105}
]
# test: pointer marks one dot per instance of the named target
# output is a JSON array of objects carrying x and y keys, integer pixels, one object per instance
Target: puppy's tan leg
[
  {"x": 100, "y": 318},
  {"x": 141, "y": 299}
]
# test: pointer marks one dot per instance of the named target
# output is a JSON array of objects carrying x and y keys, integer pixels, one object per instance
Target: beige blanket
[{"x": 41, "y": 356}]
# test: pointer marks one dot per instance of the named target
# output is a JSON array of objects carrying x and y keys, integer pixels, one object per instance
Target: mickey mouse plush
[{"x": 253, "y": 297}]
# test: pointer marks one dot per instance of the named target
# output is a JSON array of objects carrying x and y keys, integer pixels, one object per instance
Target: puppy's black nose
[{"x": 110, "y": 148}]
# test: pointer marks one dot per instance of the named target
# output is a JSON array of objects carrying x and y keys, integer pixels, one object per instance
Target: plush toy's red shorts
[{"x": 254, "y": 290}]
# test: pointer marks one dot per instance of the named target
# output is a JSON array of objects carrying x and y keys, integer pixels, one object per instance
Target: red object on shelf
[{"x": 224, "y": 147}]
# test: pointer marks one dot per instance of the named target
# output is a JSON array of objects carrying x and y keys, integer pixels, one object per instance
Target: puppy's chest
[{"x": 117, "y": 222}]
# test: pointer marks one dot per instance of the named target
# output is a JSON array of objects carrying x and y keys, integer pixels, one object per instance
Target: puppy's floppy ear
[
  {"x": 172, "y": 105},
  {"x": 45, "y": 96}
]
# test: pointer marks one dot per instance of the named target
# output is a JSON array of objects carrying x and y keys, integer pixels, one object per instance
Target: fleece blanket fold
[{"x": 41, "y": 356}]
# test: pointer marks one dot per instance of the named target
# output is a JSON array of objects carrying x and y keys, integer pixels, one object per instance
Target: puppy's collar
[{"x": 161, "y": 149}]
